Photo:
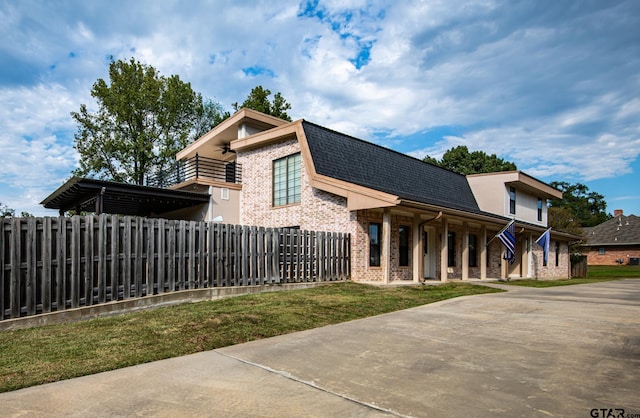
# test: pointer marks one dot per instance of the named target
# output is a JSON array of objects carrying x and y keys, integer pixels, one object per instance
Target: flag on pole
[
  {"x": 508, "y": 238},
  {"x": 543, "y": 241}
]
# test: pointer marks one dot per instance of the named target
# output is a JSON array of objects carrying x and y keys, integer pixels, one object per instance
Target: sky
[{"x": 553, "y": 86}]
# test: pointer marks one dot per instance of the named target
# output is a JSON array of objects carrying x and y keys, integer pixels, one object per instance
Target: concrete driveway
[{"x": 560, "y": 351}]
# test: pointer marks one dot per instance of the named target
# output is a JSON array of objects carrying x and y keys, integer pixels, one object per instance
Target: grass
[
  {"x": 595, "y": 274},
  {"x": 57, "y": 352}
]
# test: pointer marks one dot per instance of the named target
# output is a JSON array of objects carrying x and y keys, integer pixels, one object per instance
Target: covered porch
[{"x": 407, "y": 245}]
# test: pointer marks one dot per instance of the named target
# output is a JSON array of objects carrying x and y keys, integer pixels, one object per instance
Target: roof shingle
[
  {"x": 359, "y": 162},
  {"x": 620, "y": 230}
]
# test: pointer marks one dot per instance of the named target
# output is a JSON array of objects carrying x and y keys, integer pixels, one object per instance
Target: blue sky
[{"x": 553, "y": 86}]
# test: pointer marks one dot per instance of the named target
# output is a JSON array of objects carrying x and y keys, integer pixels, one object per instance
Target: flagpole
[{"x": 501, "y": 231}]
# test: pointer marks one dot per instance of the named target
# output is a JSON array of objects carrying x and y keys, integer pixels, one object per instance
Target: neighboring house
[
  {"x": 408, "y": 220},
  {"x": 616, "y": 241}
]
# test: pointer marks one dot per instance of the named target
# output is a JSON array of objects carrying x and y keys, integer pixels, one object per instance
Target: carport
[{"x": 100, "y": 196}]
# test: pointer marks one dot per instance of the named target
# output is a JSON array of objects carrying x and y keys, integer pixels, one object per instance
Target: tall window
[
  {"x": 539, "y": 209},
  {"x": 403, "y": 245},
  {"x": 451, "y": 244},
  {"x": 557, "y": 253},
  {"x": 286, "y": 180},
  {"x": 375, "y": 238},
  {"x": 512, "y": 200},
  {"x": 473, "y": 250}
]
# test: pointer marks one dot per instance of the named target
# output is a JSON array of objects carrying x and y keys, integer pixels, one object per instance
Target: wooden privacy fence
[{"x": 53, "y": 264}]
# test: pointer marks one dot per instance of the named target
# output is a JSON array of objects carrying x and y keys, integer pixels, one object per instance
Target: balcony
[{"x": 197, "y": 168}]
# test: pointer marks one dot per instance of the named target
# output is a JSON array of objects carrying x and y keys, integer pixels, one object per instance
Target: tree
[
  {"x": 258, "y": 100},
  {"x": 586, "y": 207},
  {"x": 143, "y": 120},
  {"x": 6, "y": 211},
  {"x": 562, "y": 219},
  {"x": 461, "y": 161},
  {"x": 208, "y": 115}
]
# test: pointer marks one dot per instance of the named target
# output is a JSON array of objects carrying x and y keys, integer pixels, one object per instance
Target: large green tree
[
  {"x": 460, "y": 160},
  {"x": 143, "y": 119},
  {"x": 587, "y": 208},
  {"x": 258, "y": 99}
]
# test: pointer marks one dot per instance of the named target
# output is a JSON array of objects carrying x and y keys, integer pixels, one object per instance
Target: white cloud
[{"x": 550, "y": 85}]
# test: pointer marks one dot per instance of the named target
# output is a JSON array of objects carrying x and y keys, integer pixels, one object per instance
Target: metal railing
[{"x": 194, "y": 168}]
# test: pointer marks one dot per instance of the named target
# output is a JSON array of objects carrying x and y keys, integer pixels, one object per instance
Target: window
[
  {"x": 286, "y": 180},
  {"x": 224, "y": 193},
  {"x": 602, "y": 251},
  {"x": 451, "y": 244},
  {"x": 557, "y": 253},
  {"x": 375, "y": 238},
  {"x": 473, "y": 250},
  {"x": 539, "y": 209},
  {"x": 488, "y": 254},
  {"x": 403, "y": 245},
  {"x": 512, "y": 200}
]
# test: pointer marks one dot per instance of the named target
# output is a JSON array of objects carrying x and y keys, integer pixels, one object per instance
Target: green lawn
[
  {"x": 50, "y": 353},
  {"x": 594, "y": 274}
]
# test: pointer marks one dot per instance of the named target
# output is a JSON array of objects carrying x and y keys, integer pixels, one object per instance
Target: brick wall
[
  {"x": 611, "y": 255},
  {"x": 360, "y": 268},
  {"x": 317, "y": 210},
  {"x": 551, "y": 271}
]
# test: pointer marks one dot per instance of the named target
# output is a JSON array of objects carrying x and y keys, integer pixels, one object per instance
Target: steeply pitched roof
[
  {"x": 359, "y": 162},
  {"x": 620, "y": 230}
]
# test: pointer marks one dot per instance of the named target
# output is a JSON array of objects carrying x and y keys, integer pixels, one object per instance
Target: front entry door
[{"x": 429, "y": 253}]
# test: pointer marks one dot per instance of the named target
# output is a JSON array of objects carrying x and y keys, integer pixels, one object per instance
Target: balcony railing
[{"x": 197, "y": 167}]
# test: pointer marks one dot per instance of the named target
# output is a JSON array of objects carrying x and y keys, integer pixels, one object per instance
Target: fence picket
[
  {"x": 31, "y": 272},
  {"x": 171, "y": 262},
  {"x": 50, "y": 264},
  {"x": 139, "y": 247},
  {"x": 161, "y": 257},
  {"x": 115, "y": 257},
  {"x": 102, "y": 258},
  {"x": 61, "y": 264}
]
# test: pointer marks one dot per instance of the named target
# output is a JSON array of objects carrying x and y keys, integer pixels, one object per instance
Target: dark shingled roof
[
  {"x": 359, "y": 162},
  {"x": 620, "y": 230}
]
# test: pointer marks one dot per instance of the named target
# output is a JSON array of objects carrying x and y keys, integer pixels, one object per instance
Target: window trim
[
  {"x": 404, "y": 250},
  {"x": 290, "y": 180},
  {"x": 539, "y": 209},
  {"x": 512, "y": 200},
  {"x": 473, "y": 254},
  {"x": 377, "y": 247},
  {"x": 451, "y": 249}
]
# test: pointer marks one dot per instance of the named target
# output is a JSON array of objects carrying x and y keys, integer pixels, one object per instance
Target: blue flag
[
  {"x": 543, "y": 241},
  {"x": 508, "y": 237}
]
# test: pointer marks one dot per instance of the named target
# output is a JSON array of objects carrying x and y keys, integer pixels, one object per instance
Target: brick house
[
  {"x": 408, "y": 220},
  {"x": 616, "y": 241}
]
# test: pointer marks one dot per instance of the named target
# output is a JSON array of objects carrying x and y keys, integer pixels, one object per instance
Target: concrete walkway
[{"x": 559, "y": 351}]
